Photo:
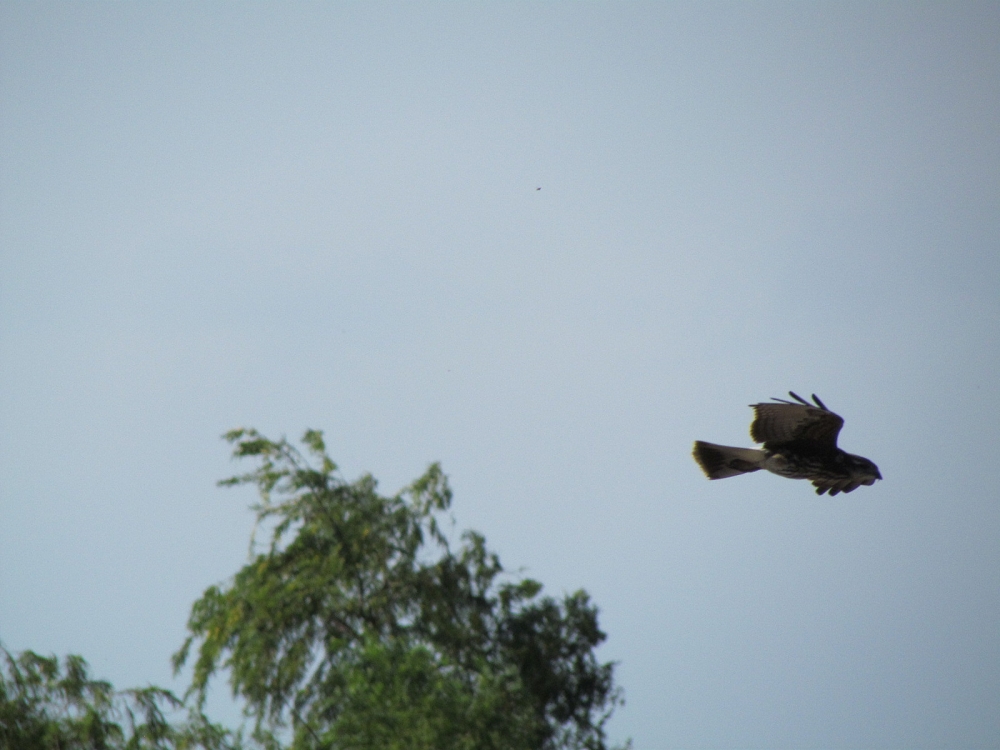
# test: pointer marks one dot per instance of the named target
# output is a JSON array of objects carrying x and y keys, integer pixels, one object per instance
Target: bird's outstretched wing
[{"x": 778, "y": 424}]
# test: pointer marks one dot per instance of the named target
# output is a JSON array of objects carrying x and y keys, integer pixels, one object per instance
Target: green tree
[
  {"x": 358, "y": 625},
  {"x": 48, "y": 706}
]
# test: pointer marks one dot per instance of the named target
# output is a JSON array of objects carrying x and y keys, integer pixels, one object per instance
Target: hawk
[{"x": 800, "y": 442}]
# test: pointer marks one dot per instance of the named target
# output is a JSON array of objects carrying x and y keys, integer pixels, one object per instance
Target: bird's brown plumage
[
  {"x": 799, "y": 442},
  {"x": 782, "y": 423}
]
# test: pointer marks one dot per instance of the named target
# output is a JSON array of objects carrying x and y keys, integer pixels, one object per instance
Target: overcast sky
[{"x": 292, "y": 215}]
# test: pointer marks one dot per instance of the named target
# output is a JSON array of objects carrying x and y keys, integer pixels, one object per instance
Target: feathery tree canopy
[
  {"x": 356, "y": 623},
  {"x": 48, "y": 706}
]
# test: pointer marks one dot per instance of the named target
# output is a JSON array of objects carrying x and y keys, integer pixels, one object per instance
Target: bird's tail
[{"x": 721, "y": 461}]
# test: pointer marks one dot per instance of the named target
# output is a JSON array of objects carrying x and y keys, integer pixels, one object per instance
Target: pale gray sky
[{"x": 326, "y": 215}]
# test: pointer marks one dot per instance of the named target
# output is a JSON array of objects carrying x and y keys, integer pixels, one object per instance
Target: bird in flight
[{"x": 800, "y": 442}]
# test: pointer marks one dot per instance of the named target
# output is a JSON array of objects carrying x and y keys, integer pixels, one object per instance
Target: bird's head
[{"x": 864, "y": 470}]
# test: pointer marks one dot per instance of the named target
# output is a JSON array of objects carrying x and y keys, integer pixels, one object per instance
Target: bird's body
[{"x": 799, "y": 442}]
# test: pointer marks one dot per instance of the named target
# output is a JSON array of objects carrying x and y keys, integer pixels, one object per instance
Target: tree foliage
[
  {"x": 48, "y": 706},
  {"x": 358, "y": 625}
]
